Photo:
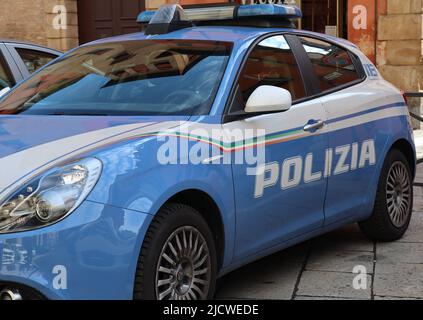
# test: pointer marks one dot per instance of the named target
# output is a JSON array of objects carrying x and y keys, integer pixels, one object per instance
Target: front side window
[
  {"x": 147, "y": 77},
  {"x": 332, "y": 65},
  {"x": 272, "y": 63},
  {"x": 33, "y": 59},
  {"x": 5, "y": 75}
]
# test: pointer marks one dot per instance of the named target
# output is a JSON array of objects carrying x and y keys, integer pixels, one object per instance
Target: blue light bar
[
  {"x": 146, "y": 16},
  {"x": 276, "y": 10},
  {"x": 233, "y": 12}
]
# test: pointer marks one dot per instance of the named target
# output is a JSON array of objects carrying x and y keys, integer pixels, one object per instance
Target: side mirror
[
  {"x": 4, "y": 91},
  {"x": 269, "y": 99}
]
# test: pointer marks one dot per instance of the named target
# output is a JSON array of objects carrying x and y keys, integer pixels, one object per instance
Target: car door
[
  {"x": 30, "y": 58},
  {"x": 355, "y": 139},
  {"x": 9, "y": 71},
  {"x": 283, "y": 196}
]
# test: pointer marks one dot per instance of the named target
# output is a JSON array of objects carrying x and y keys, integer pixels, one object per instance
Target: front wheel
[
  {"x": 394, "y": 200},
  {"x": 178, "y": 257}
]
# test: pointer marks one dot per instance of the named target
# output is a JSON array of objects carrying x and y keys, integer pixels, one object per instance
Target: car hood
[{"x": 32, "y": 144}]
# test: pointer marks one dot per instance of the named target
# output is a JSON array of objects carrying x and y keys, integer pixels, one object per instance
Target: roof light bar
[
  {"x": 231, "y": 12},
  {"x": 146, "y": 16},
  {"x": 212, "y": 13},
  {"x": 278, "y": 10}
]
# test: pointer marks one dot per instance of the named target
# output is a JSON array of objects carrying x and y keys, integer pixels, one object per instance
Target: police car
[{"x": 148, "y": 165}]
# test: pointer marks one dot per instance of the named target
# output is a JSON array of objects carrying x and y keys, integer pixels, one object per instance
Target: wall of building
[
  {"x": 23, "y": 20},
  {"x": 33, "y": 21},
  {"x": 62, "y": 39},
  {"x": 399, "y": 43},
  {"x": 400, "y": 46}
]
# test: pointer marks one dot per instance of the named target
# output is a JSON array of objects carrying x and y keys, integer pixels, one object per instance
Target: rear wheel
[
  {"x": 394, "y": 200},
  {"x": 178, "y": 257}
]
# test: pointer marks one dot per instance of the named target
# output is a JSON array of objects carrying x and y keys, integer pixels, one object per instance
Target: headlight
[{"x": 49, "y": 197}]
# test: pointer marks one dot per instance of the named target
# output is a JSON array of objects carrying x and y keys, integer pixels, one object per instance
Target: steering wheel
[{"x": 183, "y": 98}]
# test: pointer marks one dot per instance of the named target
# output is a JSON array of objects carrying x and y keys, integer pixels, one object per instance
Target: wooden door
[{"x": 105, "y": 18}]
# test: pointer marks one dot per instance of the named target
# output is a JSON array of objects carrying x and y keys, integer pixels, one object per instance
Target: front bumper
[{"x": 92, "y": 254}]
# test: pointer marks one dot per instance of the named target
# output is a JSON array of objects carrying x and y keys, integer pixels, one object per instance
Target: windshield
[{"x": 147, "y": 77}]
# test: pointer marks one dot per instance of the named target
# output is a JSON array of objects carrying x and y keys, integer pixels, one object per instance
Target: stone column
[
  {"x": 400, "y": 47},
  {"x": 62, "y": 39}
]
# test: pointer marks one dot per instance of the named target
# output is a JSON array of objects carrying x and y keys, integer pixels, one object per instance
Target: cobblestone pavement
[{"x": 322, "y": 268}]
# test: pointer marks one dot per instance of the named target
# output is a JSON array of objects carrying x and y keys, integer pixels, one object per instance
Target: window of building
[
  {"x": 332, "y": 65},
  {"x": 33, "y": 59},
  {"x": 270, "y": 63},
  {"x": 6, "y": 79}
]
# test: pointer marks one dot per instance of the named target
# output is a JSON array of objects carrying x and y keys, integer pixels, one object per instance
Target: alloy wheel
[
  {"x": 184, "y": 267},
  {"x": 398, "y": 194}
]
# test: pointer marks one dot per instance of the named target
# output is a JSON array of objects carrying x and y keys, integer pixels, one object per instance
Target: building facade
[{"x": 390, "y": 32}]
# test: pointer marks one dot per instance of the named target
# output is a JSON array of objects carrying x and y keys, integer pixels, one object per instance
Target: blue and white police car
[{"x": 148, "y": 165}]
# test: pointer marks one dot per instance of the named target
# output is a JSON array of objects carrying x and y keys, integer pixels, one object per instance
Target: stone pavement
[{"x": 322, "y": 268}]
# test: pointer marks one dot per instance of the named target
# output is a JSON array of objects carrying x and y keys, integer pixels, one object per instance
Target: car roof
[
  {"x": 212, "y": 33},
  {"x": 236, "y": 34}
]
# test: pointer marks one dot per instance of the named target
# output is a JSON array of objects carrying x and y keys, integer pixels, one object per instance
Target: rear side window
[
  {"x": 33, "y": 59},
  {"x": 332, "y": 65},
  {"x": 270, "y": 63}
]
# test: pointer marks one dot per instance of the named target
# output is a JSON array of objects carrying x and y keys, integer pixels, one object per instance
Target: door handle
[{"x": 314, "y": 125}]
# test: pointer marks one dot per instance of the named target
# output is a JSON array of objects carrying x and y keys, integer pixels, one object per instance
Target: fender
[
  {"x": 133, "y": 179},
  {"x": 397, "y": 133}
]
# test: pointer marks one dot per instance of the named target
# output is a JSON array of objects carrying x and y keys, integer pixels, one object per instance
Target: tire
[
  {"x": 394, "y": 200},
  {"x": 178, "y": 258}
]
